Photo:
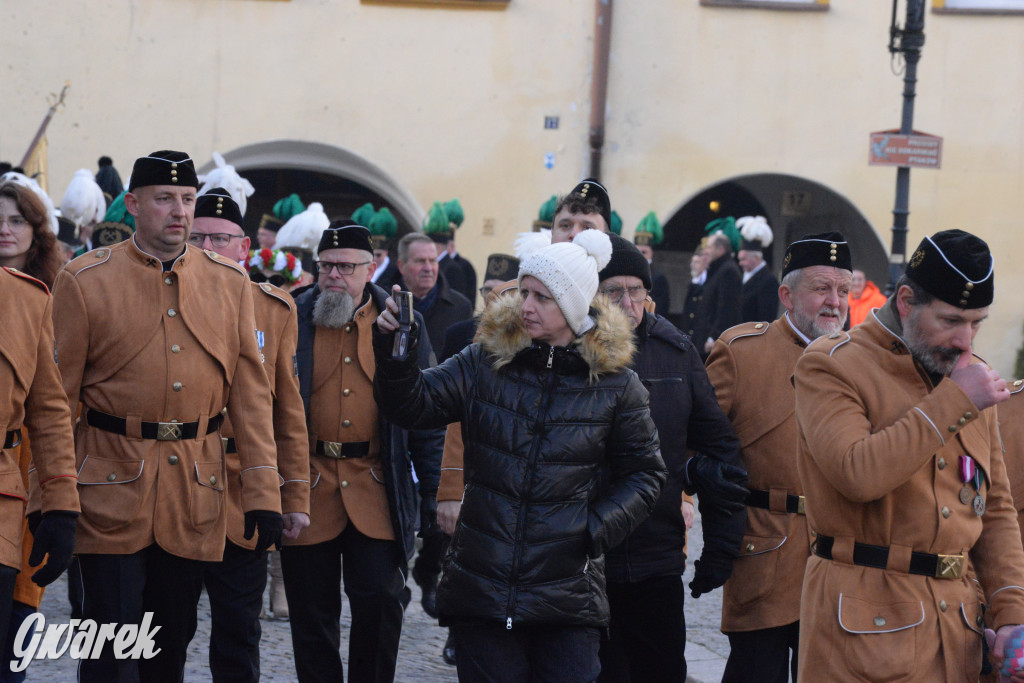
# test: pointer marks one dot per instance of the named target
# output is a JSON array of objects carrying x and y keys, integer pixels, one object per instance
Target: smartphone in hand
[{"x": 404, "y": 301}]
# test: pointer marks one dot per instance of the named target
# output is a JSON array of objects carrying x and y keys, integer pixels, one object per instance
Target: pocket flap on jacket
[
  {"x": 861, "y": 616},
  {"x": 756, "y": 545},
  {"x": 95, "y": 471},
  {"x": 208, "y": 474},
  {"x": 12, "y": 485}
]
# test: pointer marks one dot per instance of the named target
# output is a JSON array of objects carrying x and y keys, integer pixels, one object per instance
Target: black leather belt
[
  {"x": 343, "y": 451},
  {"x": 229, "y": 445},
  {"x": 877, "y": 556},
  {"x": 760, "y": 499},
  {"x": 161, "y": 431},
  {"x": 12, "y": 439}
]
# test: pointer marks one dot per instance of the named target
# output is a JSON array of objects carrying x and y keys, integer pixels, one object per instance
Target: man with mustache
[
  {"x": 362, "y": 497},
  {"x": 751, "y": 366},
  {"x": 906, "y": 486}
]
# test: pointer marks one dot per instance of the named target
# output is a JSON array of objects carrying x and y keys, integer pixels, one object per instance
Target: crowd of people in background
[{"x": 195, "y": 403}]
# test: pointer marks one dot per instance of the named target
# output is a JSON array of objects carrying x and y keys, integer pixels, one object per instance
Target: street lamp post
[{"x": 907, "y": 41}]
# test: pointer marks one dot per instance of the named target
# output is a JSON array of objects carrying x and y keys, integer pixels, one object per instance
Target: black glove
[
  {"x": 270, "y": 524},
  {"x": 54, "y": 535},
  {"x": 717, "y": 482},
  {"x": 711, "y": 571},
  {"x": 33, "y": 521},
  {"x": 428, "y": 517}
]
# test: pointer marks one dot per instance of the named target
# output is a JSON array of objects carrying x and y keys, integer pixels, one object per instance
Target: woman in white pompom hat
[{"x": 561, "y": 463}]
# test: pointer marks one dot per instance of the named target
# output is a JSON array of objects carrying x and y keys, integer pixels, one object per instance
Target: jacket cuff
[{"x": 261, "y": 489}]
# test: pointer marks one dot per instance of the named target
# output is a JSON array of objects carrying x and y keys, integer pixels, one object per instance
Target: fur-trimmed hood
[{"x": 607, "y": 347}]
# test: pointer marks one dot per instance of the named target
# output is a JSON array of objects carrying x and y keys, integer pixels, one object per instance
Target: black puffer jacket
[
  {"x": 688, "y": 417},
  {"x": 561, "y": 463}
]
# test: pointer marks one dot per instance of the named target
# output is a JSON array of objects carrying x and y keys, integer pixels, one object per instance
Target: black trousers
[
  {"x": 235, "y": 587},
  {"x": 119, "y": 589},
  {"x": 765, "y": 656},
  {"x": 647, "y": 634},
  {"x": 374, "y": 578},
  {"x": 490, "y": 653},
  {"x": 7, "y": 578}
]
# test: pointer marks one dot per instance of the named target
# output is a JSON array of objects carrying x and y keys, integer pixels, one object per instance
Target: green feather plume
[
  {"x": 455, "y": 213},
  {"x": 726, "y": 226},
  {"x": 117, "y": 212},
  {"x": 289, "y": 207},
  {"x": 616, "y": 225},
  {"x": 652, "y": 226},
  {"x": 364, "y": 215},
  {"x": 437, "y": 220},
  {"x": 384, "y": 223}
]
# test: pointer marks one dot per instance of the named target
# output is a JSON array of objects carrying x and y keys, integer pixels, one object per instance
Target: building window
[
  {"x": 978, "y": 6},
  {"x": 448, "y": 4},
  {"x": 800, "y": 5}
]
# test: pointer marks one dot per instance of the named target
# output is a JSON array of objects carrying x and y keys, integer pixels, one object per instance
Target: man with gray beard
[
  {"x": 750, "y": 367},
  {"x": 362, "y": 497}
]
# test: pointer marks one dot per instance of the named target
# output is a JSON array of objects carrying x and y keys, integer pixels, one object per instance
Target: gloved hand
[
  {"x": 428, "y": 517},
  {"x": 717, "y": 482},
  {"x": 710, "y": 572},
  {"x": 270, "y": 524},
  {"x": 54, "y": 535}
]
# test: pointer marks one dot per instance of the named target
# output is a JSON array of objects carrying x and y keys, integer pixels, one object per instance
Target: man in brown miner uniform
[
  {"x": 156, "y": 338},
  {"x": 235, "y": 584},
  {"x": 362, "y": 499},
  {"x": 906, "y": 486},
  {"x": 751, "y": 366}
]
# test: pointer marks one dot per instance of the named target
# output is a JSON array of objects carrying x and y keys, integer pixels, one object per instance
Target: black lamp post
[{"x": 907, "y": 41}]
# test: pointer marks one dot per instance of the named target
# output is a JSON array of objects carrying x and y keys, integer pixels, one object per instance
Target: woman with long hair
[{"x": 26, "y": 241}]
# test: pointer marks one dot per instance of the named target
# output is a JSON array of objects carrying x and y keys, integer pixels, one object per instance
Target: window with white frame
[{"x": 979, "y": 6}]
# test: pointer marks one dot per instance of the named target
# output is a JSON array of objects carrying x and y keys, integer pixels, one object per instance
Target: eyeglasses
[
  {"x": 636, "y": 294},
  {"x": 16, "y": 222},
  {"x": 325, "y": 267},
  {"x": 275, "y": 279},
  {"x": 217, "y": 239}
]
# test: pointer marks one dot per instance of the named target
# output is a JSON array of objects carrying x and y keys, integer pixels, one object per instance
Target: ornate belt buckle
[
  {"x": 801, "y": 505},
  {"x": 949, "y": 566},
  {"x": 332, "y": 449},
  {"x": 168, "y": 431}
]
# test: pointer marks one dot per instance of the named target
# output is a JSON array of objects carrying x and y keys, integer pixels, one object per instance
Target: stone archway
[
  {"x": 794, "y": 207},
  {"x": 334, "y": 176}
]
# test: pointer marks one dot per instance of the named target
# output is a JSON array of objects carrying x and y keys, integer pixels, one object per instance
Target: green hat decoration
[
  {"x": 117, "y": 212},
  {"x": 287, "y": 208},
  {"x": 546, "y": 215},
  {"x": 455, "y": 213},
  {"x": 649, "y": 232},
  {"x": 436, "y": 226},
  {"x": 726, "y": 226},
  {"x": 364, "y": 215},
  {"x": 383, "y": 227},
  {"x": 616, "y": 224}
]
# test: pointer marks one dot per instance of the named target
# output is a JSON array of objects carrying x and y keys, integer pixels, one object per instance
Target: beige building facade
[{"x": 757, "y": 105}]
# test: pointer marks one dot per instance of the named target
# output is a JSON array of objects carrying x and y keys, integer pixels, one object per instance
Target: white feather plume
[
  {"x": 227, "y": 177},
  {"x": 597, "y": 244},
  {"x": 529, "y": 242},
  {"x": 22, "y": 179},
  {"x": 83, "y": 201},
  {"x": 755, "y": 229},
  {"x": 303, "y": 230}
]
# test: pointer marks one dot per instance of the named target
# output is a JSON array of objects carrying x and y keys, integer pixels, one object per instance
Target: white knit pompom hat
[{"x": 569, "y": 271}]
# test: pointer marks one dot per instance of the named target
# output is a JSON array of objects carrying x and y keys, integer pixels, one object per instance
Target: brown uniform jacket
[
  {"x": 32, "y": 398},
  {"x": 146, "y": 345},
  {"x": 750, "y": 367},
  {"x": 1011, "y": 431},
  {"x": 342, "y": 410},
  {"x": 879, "y": 459},
  {"x": 276, "y": 335}
]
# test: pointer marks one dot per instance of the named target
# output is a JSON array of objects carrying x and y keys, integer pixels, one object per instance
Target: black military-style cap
[
  {"x": 218, "y": 203},
  {"x": 271, "y": 222},
  {"x": 589, "y": 188},
  {"x": 824, "y": 249},
  {"x": 501, "y": 267},
  {"x": 342, "y": 234},
  {"x": 165, "y": 167},
  {"x": 956, "y": 267}
]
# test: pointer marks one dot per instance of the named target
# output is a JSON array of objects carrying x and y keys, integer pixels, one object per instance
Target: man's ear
[{"x": 903, "y": 298}]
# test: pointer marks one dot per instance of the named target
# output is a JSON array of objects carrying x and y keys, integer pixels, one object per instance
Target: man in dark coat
[
  {"x": 722, "y": 296},
  {"x": 363, "y": 501},
  {"x": 440, "y": 305},
  {"x": 645, "y": 588},
  {"x": 760, "y": 287}
]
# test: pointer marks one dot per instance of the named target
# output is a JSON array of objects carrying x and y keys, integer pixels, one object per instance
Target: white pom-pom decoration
[
  {"x": 529, "y": 242},
  {"x": 597, "y": 244}
]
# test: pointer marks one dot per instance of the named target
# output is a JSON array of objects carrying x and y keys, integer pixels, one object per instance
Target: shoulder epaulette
[
  {"x": 744, "y": 330},
  {"x": 828, "y": 343},
  {"x": 279, "y": 294},
  {"x": 1016, "y": 386},
  {"x": 38, "y": 283},
  {"x": 217, "y": 258},
  {"x": 88, "y": 260}
]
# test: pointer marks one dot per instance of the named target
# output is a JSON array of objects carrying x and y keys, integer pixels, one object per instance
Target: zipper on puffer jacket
[{"x": 531, "y": 465}]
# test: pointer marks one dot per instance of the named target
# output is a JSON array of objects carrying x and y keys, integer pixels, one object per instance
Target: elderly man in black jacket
[
  {"x": 645, "y": 588},
  {"x": 722, "y": 298}
]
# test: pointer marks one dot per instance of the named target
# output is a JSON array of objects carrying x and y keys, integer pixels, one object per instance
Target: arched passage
[
  {"x": 794, "y": 207},
  {"x": 339, "y": 179}
]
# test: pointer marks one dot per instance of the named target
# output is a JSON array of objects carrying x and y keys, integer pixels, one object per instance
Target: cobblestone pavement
[{"x": 419, "y": 657}]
